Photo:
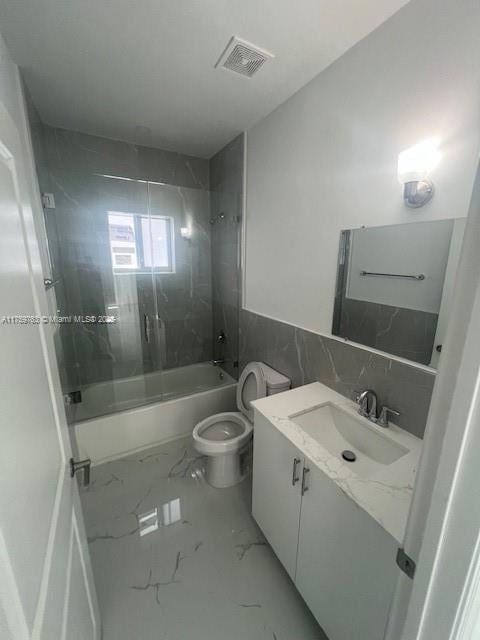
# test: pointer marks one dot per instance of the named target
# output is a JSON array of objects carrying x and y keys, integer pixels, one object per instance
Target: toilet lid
[{"x": 251, "y": 386}]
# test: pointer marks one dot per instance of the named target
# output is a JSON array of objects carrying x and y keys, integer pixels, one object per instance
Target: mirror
[{"x": 394, "y": 285}]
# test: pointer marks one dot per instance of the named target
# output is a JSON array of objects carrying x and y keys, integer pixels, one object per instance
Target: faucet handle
[
  {"x": 356, "y": 396},
  {"x": 383, "y": 417}
]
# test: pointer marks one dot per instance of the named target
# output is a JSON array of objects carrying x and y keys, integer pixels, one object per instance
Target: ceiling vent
[{"x": 243, "y": 57}]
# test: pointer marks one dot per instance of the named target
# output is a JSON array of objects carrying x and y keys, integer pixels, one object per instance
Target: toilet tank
[{"x": 276, "y": 381}]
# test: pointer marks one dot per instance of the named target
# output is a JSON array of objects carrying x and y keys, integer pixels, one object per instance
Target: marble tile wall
[
  {"x": 226, "y": 197},
  {"x": 73, "y": 166},
  {"x": 407, "y": 333},
  {"x": 85, "y": 154},
  {"x": 308, "y": 357}
]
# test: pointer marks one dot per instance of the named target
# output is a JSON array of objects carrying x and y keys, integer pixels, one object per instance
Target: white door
[
  {"x": 46, "y": 587},
  {"x": 276, "y": 497}
]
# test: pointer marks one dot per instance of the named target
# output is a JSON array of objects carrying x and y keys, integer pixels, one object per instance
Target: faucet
[
  {"x": 217, "y": 362},
  {"x": 368, "y": 404},
  {"x": 369, "y": 409}
]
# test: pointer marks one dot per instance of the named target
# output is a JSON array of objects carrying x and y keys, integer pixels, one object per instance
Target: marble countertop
[{"x": 386, "y": 494}]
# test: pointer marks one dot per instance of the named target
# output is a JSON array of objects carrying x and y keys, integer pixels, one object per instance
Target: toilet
[{"x": 224, "y": 436}]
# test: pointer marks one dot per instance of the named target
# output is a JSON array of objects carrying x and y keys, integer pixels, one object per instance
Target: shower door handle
[{"x": 146, "y": 327}]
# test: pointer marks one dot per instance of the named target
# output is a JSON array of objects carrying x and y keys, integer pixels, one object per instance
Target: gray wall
[
  {"x": 71, "y": 166},
  {"x": 226, "y": 197},
  {"x": 308, "y": 357}
]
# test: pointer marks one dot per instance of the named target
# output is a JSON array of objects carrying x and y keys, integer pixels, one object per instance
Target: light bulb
[{"x": 415, "y": 163}]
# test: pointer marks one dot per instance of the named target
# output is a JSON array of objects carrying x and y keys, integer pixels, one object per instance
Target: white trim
[
  {"x": 467, "y": 620},
  {"x": 48, "y": 348},
  {"x": 443, "y": 530},
  {"x": 48, "y": 562},
  {"x": 10, "y": 599},
  {"x": 86, "y": 581},
  {"x": 68, "y": 583},
  {"x": 21, "y": 183}
]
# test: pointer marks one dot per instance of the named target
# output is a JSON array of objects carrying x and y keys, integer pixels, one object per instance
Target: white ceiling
[{"x": 109, "y": 66}]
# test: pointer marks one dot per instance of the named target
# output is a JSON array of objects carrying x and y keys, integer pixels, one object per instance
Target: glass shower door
[
  {"x": 181, "y": 280},
  {"x": 135, "y": 249},
  {"x": 103, "y": 259},
  {"x": 135, "y": 257}
]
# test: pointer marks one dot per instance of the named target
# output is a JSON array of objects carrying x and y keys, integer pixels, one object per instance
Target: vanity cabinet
[
  {"x": 346, "y": 567},
  {"x": 341, "y": 560},
  {"x": 276, "y": 491}
]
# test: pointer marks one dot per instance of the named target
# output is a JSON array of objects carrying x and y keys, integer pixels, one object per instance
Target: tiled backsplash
[
  {"x": 308, "y": 357},
  {"x": 408, "y": 333}
]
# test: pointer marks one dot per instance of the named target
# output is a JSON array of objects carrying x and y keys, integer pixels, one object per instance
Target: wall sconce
[
  {"x": 414, "y": 165},
  {"x": 186, "y": 233}
]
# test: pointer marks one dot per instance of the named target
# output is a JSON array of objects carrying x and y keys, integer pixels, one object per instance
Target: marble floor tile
[{"x": 206, "y": 573}]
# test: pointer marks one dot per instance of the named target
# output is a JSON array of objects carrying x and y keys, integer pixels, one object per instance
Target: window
[{"x": 141, "y": 243}]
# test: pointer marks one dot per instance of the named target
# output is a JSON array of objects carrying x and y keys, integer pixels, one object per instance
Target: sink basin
[{"x": 337, "y": 430}]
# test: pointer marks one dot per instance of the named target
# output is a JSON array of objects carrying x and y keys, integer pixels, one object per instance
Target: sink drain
[{"x": 348, "y": 455}]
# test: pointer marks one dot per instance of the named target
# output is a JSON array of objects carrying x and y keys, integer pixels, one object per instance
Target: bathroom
[{"x": 241, "y": 300}]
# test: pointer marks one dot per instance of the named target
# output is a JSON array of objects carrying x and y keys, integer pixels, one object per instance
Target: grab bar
[{"x": 420, "y": 276}]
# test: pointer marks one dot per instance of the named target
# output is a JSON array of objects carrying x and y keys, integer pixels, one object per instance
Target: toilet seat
[
  {"x": 228, "y": 432},
  {"x": 251, "y": 386},
  {"x": 222, "y": 433}
]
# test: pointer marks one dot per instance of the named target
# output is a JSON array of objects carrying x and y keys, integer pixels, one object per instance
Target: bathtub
[{"x": 142, "y": 411}]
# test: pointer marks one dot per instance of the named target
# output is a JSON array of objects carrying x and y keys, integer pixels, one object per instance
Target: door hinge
[
  {"x": 48, "y": 283},
  {"x": 406, "y": 564},
  {"x": 72, "y": 397},
  {"x": 48, "y": 200},
  {"x": 81, "y": 465}
]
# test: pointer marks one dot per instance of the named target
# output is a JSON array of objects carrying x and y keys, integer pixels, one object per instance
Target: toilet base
[{"x": 223, "y": 471}]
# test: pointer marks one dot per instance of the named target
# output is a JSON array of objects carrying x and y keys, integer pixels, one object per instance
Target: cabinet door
[
  {"x": 346, "y": 562},
  {"x": 276, "y": 500}
]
